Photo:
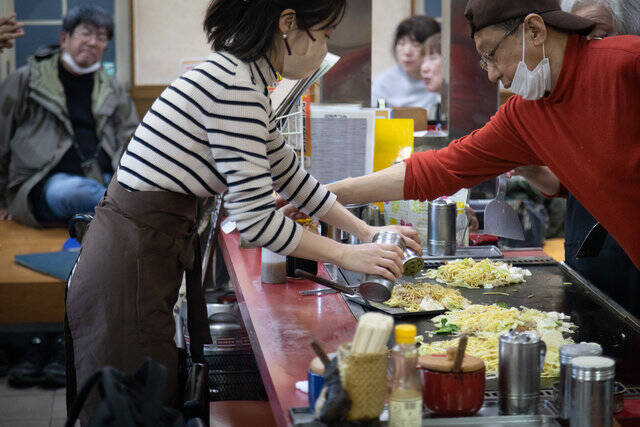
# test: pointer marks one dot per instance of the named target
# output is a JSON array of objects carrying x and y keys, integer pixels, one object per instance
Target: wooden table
[
  {"x": 281, "y": 323},
  {"x": 28, "y": 296}
]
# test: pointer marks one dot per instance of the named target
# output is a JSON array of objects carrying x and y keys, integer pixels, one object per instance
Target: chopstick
[{"x": 324, "y": 282}]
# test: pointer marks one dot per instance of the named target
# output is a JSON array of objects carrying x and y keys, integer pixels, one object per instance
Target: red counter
[{"x": 281, "y": 323}]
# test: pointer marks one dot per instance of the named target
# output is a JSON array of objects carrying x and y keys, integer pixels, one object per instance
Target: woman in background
[
  {"x": 401, "y": 85},
  {"x": 431, "y": 73}
]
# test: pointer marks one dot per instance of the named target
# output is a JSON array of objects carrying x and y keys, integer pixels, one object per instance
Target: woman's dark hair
[
  {"x": 418, "y": 28},
  {"x": 92, "y": 15},
  {"x": 245, "y": 28}
]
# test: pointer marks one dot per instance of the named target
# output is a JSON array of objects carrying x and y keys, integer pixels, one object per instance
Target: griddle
[{"x": 599, "y": 319}]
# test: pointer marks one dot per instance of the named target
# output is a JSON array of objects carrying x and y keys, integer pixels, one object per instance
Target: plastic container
[{"x": 274, "y": 267}]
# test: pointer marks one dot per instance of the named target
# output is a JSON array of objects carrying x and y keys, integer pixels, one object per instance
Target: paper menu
[{"x": 342, "y": 142}]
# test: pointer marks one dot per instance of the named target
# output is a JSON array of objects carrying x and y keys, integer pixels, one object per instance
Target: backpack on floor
[{"x": 128, "y": 400}]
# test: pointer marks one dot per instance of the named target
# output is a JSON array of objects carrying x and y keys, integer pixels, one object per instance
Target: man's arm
[
  {"x": 382, "y": 186},
  {"x": 12, "y": 101},
  {"x": 540, "y": 177},
  {"x": 126, "y": 122}
]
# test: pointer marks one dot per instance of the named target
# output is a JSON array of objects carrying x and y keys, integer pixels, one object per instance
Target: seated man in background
[
  {"x": 63, "y": 124},
  {"x": 10, "y": 29}
]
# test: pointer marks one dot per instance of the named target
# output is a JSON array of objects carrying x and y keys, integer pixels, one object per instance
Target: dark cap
[{"x": 483, "y": 13}]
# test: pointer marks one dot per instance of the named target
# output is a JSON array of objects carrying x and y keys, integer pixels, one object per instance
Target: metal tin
[
  {"x": 442, "y": 227},
  {"x": 592, "y": 391},
  {"x": 566, "y": 354},
  {"x": 412, "y": 263},
  {"x": 377, "y": 288},
  {"x": 521, "y": 358}
]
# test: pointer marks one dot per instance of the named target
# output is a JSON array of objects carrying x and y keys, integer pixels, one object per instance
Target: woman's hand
[
  {"x": 410, "y": 236},
  {"x": 372, "y": 258}
]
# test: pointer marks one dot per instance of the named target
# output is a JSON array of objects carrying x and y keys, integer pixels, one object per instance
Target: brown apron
[{"x": 121, "y": 294}]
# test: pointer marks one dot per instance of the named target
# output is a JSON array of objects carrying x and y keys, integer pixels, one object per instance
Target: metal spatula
[
  {"x": 592, "y": 244},
  {"x": 499, "y": 218}
]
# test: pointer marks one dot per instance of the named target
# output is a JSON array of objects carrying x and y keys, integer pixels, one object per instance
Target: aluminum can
[{"x": 521, "y": 358}]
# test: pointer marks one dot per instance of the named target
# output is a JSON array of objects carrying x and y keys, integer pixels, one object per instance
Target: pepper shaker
[
  {"x": 592, "y": 391},
  {"x": 566, "y": 354}
]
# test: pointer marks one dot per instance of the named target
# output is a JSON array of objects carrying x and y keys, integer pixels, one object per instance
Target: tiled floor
[{"x": 31, "y": 407}]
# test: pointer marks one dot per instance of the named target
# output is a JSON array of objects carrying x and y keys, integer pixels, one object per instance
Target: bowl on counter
[{"x": 452, "y": 394}]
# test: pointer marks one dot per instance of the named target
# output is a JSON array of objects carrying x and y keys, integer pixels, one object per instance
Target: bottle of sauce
[{"x": 405, "y": 402}]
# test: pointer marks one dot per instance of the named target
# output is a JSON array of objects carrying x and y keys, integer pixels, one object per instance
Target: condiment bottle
[
  {"x": 591, "y": 389},
  {"x": 274, "y": 267},
  {"x": 405, "y": 402}
]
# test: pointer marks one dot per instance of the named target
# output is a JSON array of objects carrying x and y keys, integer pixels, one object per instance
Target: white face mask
[
  {"x": 68, "y": 59},
  {"x": 532, "y": 85},
  {"x": 297, "y": 67}
]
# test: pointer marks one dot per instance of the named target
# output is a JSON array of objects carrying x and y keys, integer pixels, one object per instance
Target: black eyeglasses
[{"x": 486, "y": 59}]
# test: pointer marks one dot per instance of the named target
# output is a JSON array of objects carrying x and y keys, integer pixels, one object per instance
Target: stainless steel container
[
  {"x": 592, "y": 391},
  {"x": 377, "y": 288},
  {"x": 412, "y": 263},
  {"x": 521, "y": 358},
  {"x": 364, "y": 211},
  {"x": 567, "y": 353},
  {"x": 442, "y": 227}
]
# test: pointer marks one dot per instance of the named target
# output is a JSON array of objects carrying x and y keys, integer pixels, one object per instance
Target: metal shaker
[
  {"x": 377, "y": 288},
  {"x": 567, "y": 353},
  {"x": 521, "y": 358},
  {"x": 592, "y": 391},
  {"x": 412, "y": 263},
  {"x": 442, "y": 227}
]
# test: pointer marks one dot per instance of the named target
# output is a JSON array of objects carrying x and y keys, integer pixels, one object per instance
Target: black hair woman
[{"x": 211, "y": 132}]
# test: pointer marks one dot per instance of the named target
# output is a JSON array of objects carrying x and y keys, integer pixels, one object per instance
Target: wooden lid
[{"x": 444, "y": 362}]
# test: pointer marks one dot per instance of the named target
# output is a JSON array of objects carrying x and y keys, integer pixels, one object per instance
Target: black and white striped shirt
[{"x": 213, "y": 130}]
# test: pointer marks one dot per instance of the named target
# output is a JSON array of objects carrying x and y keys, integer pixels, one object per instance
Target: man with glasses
[
  {"x": 63, "y": 124},
  {"x": 577, "y": 112}
]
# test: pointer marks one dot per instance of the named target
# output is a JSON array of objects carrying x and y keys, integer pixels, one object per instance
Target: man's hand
[
  {"x": 10, "y": 29},
  {"x": 540, "y": 177},
  {"x": 4, "y": 215},
  {"x": 409, "y": 235}
]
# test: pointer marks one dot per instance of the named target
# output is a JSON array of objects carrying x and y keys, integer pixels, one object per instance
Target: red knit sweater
[{"x": 587, "y": 131}]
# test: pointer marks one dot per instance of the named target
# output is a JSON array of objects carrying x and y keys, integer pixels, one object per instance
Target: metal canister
[
  {"x": 412, "y": 263},
  {"x": 521, "y": 358},
  {"x": 592, "y": 391},
  {"x": 566, "y": 354},
  {"x": 442, "y": 227},
  {"x": 377, "y": 288}
]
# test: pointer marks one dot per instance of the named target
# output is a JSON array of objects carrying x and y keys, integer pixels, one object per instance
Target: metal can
[
  {"x": 521, "y": 358},
  {"x": 412, "y": 263},
  {"x": 566, "y": 354},
  {"x": 442, "y": 227},
  {"x": 377, "y": 288},
  {"x": 592, "y": 391}
]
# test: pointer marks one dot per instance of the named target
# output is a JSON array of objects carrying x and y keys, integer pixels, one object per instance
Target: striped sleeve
[
  {"x": 294, "y": 183},
  {"x": 237, "y": 134}
]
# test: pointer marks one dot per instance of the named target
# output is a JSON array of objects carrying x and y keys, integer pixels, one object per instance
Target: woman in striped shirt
[{"x": 212, "y": 131}]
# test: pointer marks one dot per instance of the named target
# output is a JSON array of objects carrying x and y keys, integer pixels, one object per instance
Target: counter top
[{"x": 281, "y": 324}]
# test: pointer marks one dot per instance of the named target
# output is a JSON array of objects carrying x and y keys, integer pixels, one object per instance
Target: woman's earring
[{"x": 286, "y": 43}]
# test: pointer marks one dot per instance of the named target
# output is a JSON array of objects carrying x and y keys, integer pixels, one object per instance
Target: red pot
[{"x": 449, "y": 394}]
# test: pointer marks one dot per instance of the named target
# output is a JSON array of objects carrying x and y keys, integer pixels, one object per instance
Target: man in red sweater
[{"x": 581, "y": 117}]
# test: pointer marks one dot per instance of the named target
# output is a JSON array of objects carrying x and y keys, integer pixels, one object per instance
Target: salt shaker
[
  {"x": 592, "y": 391},
  {"x": 566, "y": 354},
  {"x": 521, "y": 358}
]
